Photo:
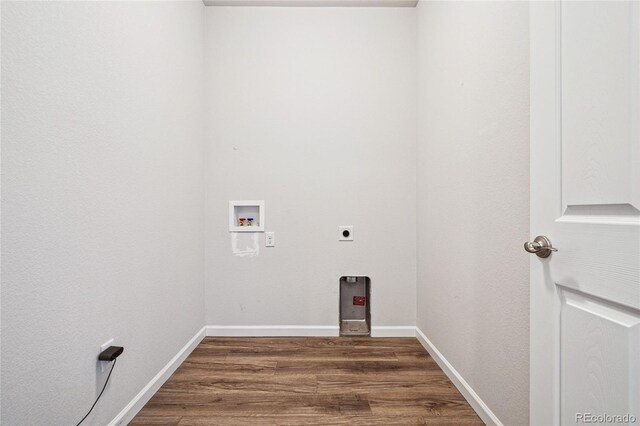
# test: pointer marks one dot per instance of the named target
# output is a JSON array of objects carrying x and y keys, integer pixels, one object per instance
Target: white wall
[
  {"x": 102, "y": 198},
  {"x": 312, "y": 110},
  {"x": 473, "y": 195}
]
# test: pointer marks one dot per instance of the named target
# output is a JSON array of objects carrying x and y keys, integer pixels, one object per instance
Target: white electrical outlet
[
  {"x": 269, "y": 239},
  {"x": 345, "y": 233},
  {"x": 105, "y": 345}
]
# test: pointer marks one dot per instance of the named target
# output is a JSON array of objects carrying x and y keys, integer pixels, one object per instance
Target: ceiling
[{"x": 313, "y": 3}]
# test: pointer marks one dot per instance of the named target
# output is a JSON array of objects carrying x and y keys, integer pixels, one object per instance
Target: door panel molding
[
  {"x": 606, "y": 214},
  {"x": 600, "y": 357}
]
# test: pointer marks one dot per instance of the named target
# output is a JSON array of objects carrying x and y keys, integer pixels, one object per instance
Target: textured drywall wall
[
  {"x": 473, "y": 195},
  {"x": 102, "y": 200},
  {"x": 312, "y": 110}
]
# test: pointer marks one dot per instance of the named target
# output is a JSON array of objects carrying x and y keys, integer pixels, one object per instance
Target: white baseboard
[
  {"x": 301, "y": 330},
  {"x": 465, "y": 389},
  {"x": 393, "y": 331},
  {"x": 272, "y": 330},
  {"x": 136, "y": 404}
]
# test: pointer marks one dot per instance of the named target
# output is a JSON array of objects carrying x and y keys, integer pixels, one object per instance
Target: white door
[{"x": 585, "y": 197}]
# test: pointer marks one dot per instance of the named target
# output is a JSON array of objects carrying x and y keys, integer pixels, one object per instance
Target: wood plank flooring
[{"x": 308, "y": 381}]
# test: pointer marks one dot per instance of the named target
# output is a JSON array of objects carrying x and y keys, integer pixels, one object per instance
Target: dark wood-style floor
[{"x": 303, "y": 381}]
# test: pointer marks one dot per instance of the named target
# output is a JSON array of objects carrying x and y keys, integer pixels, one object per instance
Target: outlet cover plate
[
  {"x": 269, "y": 239},
  {"x": 345, "y": 233}
]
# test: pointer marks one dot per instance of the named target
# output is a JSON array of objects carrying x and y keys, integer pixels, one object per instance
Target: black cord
[{"x": 101, "y": 392}]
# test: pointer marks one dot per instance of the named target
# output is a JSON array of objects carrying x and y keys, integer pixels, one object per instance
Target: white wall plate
[{"x": 345, "y": 233}]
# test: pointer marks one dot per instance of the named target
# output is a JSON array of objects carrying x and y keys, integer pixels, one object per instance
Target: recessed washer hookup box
[{"x": 355, "y": 306}]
